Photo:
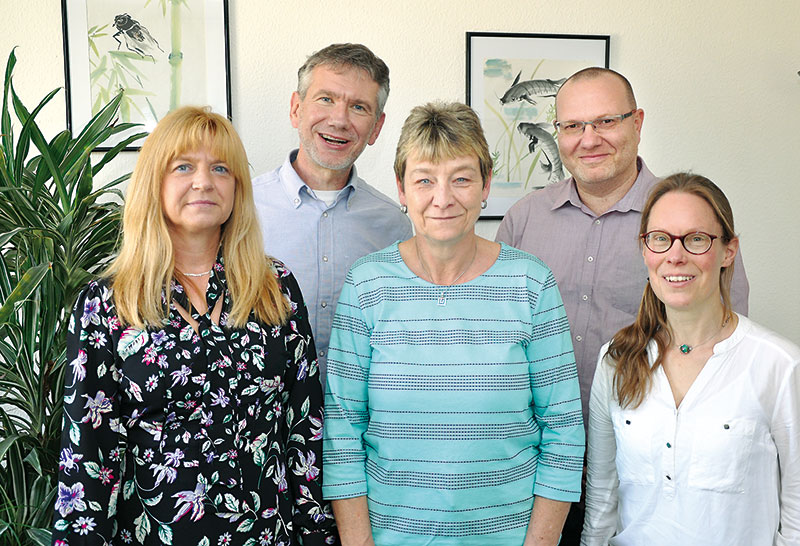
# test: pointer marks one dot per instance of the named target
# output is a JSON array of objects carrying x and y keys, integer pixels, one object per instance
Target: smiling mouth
[
  {"x": 678, "y": 278},
  {"x": 333, "y": 140}
]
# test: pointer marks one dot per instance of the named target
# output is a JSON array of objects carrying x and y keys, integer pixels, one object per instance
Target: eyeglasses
[
  {"x": 696, "y": 243},
  {"x": 600, "y": 125}
]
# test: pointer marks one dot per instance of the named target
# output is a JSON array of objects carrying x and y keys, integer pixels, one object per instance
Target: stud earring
[
  {"x": 404, "y": 209},
  {"x": 484, "y": 204}
]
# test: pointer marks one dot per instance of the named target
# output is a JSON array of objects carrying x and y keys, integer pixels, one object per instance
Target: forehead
[
  {"x": 680, "y": 212},
  {"x": 589, "y": 98},
  {"x": 346, "y": 81},
  {"x": 460, "y": 163}
]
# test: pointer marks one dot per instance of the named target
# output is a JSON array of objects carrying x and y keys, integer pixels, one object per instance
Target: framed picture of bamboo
[
  {"x": 512, "y": 80},
  {"x": 159, "y": 54}
]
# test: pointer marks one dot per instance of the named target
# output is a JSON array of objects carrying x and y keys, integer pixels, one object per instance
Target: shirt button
[
  {"x": 322, "y": 353},
  {"x": 324, "y": 304},
  {"x": 324, "y": 258},
  {"x": 597, "y": 221},
  {"x": 584, "y": 297},
  {"x": 590, "y": 259},
  {"x": 669, "y": 444},
  {"x": 669, "y": 477},
  {"x": 296, "y": 200},
  {"x": 324, "y": 214},
  {"x": 578, "y": 338}
]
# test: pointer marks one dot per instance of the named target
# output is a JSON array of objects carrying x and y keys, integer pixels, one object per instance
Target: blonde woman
[
  {"x": 693, "y": 418},
  {"x": 192, "y": 402}
]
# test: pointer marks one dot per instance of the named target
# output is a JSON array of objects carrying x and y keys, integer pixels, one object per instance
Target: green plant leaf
[{"x": 29, "y": 282}]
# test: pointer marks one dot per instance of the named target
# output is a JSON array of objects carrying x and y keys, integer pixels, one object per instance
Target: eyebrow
[{"x": 460, "y": 168}]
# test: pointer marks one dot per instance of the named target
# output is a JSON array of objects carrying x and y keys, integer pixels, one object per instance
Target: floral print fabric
[{"x": 173, "y": 436}]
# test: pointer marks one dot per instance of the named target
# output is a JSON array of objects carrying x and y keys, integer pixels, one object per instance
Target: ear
[
  {"x": 487, "y": 187},
  {"x": 731, "y": 250},
  {"x": 294, "y": 107},
  {"x": 638, "y": 120},
  {"x": 377, "y": 129},
  {"x": 400, "y": 193}
]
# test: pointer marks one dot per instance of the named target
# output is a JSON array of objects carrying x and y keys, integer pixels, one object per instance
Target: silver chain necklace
[
  {"x": 442, "y": 300},
  {"x": 686, "y": 348}
]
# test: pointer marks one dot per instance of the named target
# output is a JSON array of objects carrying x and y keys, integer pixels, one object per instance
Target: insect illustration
[
  {"x": 137, "y": 38},
  {"x": 539, "y": 134},
  {"x": 532, "y": 88}
]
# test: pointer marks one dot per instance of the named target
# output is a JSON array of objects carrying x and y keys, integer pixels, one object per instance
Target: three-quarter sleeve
[
  {"x": 556, "y": 397},
  {"x": 93, "y": 440},
  {"x": 602, "y": 483},
  {"x": 302, "y": 435},
  {"x": 346, "y": 413}
]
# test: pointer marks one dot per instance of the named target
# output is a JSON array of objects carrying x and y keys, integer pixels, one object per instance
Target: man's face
[
  {"x": 599, "y": 159},
  {"x": 337, "y": 118}
]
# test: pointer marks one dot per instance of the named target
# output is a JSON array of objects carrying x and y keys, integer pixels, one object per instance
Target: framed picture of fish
[
  {"x": 160, "y": 54},
  {"x": 512, "y": 80}
]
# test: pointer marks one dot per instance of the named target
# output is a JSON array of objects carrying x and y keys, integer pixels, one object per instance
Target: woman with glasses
[{"x": 693, "y": 430}]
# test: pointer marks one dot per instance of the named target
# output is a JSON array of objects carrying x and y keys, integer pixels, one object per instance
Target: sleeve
[
  {"x": 92, "y": 453},
  {"x": 556, "y": 398},
  {"x": 349, "y": 356},
  {"x": 785, "y": 429},
  {"x": 740, "y": 288},
  {"x": 302, "y": 435},
  {"x": 602, "y": 484}
]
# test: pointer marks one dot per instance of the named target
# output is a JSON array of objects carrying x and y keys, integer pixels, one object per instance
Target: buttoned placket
[
  {"x": 327, "y": 255},
  {"x": 588, "y": 272}
]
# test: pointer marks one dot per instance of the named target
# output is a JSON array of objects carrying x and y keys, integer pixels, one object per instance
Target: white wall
[{"x": 717, "y": 79}]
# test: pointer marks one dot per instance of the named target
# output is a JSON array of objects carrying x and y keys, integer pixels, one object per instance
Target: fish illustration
[
  {"x": 532, "y": 88},
  {"x": 539, "y": 135}
]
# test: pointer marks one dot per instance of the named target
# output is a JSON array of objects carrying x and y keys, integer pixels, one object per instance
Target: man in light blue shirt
[{"x": 316, "y": 214}]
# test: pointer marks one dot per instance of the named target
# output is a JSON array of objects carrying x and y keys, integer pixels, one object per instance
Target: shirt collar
[
  {"x": 633, "y": 200},
  {"x": 297, "y": 190}
]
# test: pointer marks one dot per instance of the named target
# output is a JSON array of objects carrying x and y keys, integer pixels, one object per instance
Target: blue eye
[
  {"x": 221, "y": 169},
  {"x": 325, "y": 99},
  {"x": 183, "y": 167},
  {"x": 423, "y": 181}
]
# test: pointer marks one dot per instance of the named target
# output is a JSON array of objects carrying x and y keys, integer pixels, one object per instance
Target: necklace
[
  {"x": 442, "y": 300},
  {"x": 203, "y": 274},
  {"x": 686, "y": 348}
]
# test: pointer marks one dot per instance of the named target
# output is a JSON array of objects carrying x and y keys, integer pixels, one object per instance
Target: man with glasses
[{"x": 586, "y": 226}]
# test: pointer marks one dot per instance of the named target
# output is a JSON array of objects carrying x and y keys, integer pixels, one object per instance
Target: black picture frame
[
  {"x": 162, "y": 55},
  {"x": 529, "y": 68}
]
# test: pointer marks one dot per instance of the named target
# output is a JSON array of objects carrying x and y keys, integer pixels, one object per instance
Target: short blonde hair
[
  {"x": 145, "y": 265},
  {"x": 440, "y": 130}
]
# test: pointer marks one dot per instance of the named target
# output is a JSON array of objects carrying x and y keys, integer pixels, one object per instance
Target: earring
[
  {"x": 404, "y": 209},
  {"x": 484, "y": 204}
]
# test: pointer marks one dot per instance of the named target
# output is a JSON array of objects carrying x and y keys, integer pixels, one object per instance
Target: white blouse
[{"x": 721, "y": 469}]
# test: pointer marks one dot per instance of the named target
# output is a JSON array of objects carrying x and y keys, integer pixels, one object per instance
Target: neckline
[{"x": 396, "y": 249}]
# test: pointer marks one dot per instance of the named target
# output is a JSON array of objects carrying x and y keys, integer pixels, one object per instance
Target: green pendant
[{"x": 686, "y": 349}]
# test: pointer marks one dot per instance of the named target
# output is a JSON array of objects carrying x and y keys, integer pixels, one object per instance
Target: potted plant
[{"x": 57, "y": 230}]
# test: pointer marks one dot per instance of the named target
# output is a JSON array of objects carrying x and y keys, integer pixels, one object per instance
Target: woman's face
[
  {"x": 197, "y": 193},
  {"x": 681, "y": 280},
  {"x": 443, "y": 198}
]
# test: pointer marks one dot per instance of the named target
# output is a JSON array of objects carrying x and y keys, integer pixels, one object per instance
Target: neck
[
  {"x": 446, "y": 264},
  {"x": 693, "y": 327},
  {"x": 195, "y": 254},
  {"x": 317, "y": 177},
  {"x": 601, "y": 196}
]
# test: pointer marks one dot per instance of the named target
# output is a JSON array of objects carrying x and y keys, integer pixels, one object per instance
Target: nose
[
  {"x": 443, "y": 195},
  {"x": 676, "y": 253},
  {"x": 338, "y": 114},
  {"x": 589, "y": 137},
  {"x": 201, "y": 180}
]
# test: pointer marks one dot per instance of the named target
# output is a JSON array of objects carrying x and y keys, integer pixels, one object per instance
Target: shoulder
[
  {"x": 98, "y": 290},
  {"x": 376, "y": 199},
  {"x": 381, "y": 262},
  {"x": 769, "y": 346},
  {"x": 524, "y": 262},
  {"x": 537, "y": 200},
  {"x": 268, "y": 178}
]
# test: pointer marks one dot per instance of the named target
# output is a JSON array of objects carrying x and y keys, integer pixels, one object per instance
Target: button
[
  {"x": 296, "y": 200},
  {"x": 324, "y": 214},
  {"x": 668, "y": 477},
  {"x": 322, "y": 353},
  {"x": 590, "y": 259},
  {"x": 669, "y": 444},
  {"x": 578, "y": 338},
  {"x": 597, "y": 222},
  {"x": 726, "y": 426},
  {"x": 584, "y": 297},
  {"x": 627, "y": 421},
  {"x": 324, "y": 258},
  {"x": 324, "y": 304}
]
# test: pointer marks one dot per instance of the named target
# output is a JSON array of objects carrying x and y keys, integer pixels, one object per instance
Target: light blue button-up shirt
[{"x": 318, "y": 242}]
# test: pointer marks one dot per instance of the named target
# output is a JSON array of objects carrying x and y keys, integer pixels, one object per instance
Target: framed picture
[
  {"x": 512, "y": 80},
  {"x": 160, "y": 54}
]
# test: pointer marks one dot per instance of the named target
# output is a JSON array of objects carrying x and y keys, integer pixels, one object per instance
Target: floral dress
[{"x": 175, "y": 437}]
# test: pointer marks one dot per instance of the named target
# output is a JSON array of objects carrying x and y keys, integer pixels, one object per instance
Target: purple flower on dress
[
  {"x": 91, "y": 310},
  {"x": 316, "y": 427},
  {"x": 306, "y": 466},
  {"x": 220, "y": 399},
  {"x": 302, "y": 370},
  {"x": 70, "y": 499},
  {"x": 181, "y": 376},
  {"x": 96, "y": 406},
  {"x": 280, "y": 478},
  {"x": 190, "y": 500},
  {"x": 68, "y": 460},
  {"x": 174, "y": 458},
  {"x": 78, "y": 365},
  {"x": 158, "y": 337}
]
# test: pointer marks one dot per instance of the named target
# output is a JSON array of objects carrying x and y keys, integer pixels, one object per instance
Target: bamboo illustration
[{"x": 175, "y": 55}]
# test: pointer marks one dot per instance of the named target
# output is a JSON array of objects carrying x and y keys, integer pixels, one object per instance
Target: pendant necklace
[
  {"x": 442, "y": 300},
  {"x": 686, "y": 348}
]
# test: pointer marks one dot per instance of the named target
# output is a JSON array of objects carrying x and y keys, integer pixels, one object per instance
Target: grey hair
[{"x": 342, "y": 56}]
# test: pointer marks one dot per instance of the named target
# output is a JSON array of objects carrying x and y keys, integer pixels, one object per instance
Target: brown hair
[
  {"x": 633, "y": 374},
  {"x": 145, "y": 265}
]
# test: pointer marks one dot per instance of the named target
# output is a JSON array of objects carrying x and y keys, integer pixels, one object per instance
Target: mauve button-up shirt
[
  {"x": 318, "y": 242},
  {"x": 596, "y": 260}
]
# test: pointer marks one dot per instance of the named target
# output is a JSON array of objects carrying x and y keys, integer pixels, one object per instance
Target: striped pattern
[{"x": 451, "y": 418}]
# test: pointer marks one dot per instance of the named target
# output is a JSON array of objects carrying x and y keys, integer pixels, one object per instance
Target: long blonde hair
[
  {"x": 633, "y": 375},
  {"x": 145, "y": 265}
]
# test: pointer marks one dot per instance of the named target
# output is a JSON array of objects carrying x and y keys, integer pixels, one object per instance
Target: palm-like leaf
[{"x": 56, "y": 231}]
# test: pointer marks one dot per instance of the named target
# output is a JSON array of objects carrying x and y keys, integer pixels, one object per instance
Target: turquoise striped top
[{"x": 451, "y": 418}]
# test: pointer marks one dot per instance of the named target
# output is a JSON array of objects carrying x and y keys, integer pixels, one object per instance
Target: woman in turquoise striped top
[{"x": 452, "y": 406}]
